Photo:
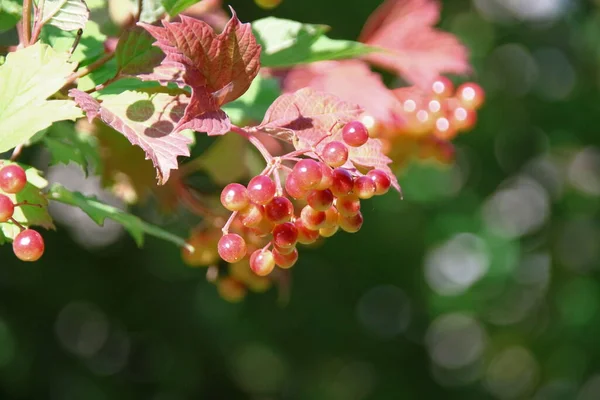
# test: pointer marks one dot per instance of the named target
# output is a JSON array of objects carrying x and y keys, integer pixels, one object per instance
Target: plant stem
[
  {"x": 225, "y": 228},
  {"x": 139, "y": 10},
  {"x": 14, "y": 221},
  {"x": 255, "y": 142},
  {"x": 76, "y": 41},
  {"x": 26, "y": 22},
  {"x": 16, "y": 152},
  {"x": 90, "y": 68},
  {"x": 37, "y": 25}
]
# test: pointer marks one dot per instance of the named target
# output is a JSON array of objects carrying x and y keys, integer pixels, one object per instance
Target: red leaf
[
  {"x": 146, "y": 119},
  {"x": 419, "y": 52},
  {"x": 218, "y": 67},
  {"x": 316, "y": 118},
  {"x": 366, "y": 90},
  {"x": 310, "y": 114}
]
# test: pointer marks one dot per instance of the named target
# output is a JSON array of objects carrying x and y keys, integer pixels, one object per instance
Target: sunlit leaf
[{"x": 68, "y": 15}]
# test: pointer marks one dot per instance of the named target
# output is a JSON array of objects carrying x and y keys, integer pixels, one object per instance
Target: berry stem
[
  {"x": 14, "y": 221},
  {"x": 255, "y": 142},
  {"x": 139, "y": 10},
  {"x": 16, "y": 152},
  {"x": 279, "y": 188},
  {"x": 225, "y": 228},
  {"x": 26, "y": 203}
]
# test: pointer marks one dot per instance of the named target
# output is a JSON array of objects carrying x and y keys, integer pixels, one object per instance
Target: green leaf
[
  {"x": 90, "y": 47},
  {"x": 27, "y": 78},
  {"x": 135, "y": 53},
  {"x": 66, "y": 145},
  {"x": 254, "y": 103},
  {"x": 68, "y": 15},
  {"x": 28, "y": 215},
  {"x": 10, "y": 14},
  {"x": 99, "y": 211},
  {"x": 98, "y": 76},
  {"x": 174, "y": 7},
  {"x": 286, "y": 43},
  {"x": 152, "y": 10}
]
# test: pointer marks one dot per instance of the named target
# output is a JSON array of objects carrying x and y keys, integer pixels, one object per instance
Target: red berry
[
  {"x": 320, "y": 200},
  {"x": 381, "y": 179},
  {"x": 355, "y": 134},
  {"x": 307, "y": 173},
  {"x": 232, "y": 248},
  {"x": 7, "y": 208},
  {"x": 262, "y": 262},
  {"x": 348, "y": 205},
  {"x": 461, "y": 118},
  {"x": 364, "y": 187},
  {"x": 263, "y": 228},
  {"x": 28, "y": 245},
  {"x": 293, "y": 188},
  {"x": 342, "y": 182},
  {"x": 234, "y": 197},
  {"x": 444, "y": 129},
  {"x": 305, "y": 235},
  {"x": 331, "y": 218},
  {"x": 470, "y": 95},
  {"x": 279, "y": 210},
  {"x": 261, "y": 189},
  {"x": 285, "y": 235},
  {"x": 252, "y": 215},
  {"x": 335, "y": 154},
  {"x": 327, "y": 178},
  {"x": 311, "y": 218},
  {"x": 12, "y": 178},
  {"x": 442, "y": 87},
  {"x": 352, "y": 223},
  {"x": 285, "y": 260},
  {"x": 329, "y": 231}
]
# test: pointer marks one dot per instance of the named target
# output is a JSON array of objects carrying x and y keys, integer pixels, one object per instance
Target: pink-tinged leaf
[
  {"x": 147, "y": 119},
  {"x": 367, "y": 88},
  {"x": 87, "y": 103},
  {"x": 212, "y": 122},
  {"x": 310, "y": 114},
  {"x": 218, "y": 67},
  {"x": 165, "y": 73},
  {"x": 418, "y": 51}
]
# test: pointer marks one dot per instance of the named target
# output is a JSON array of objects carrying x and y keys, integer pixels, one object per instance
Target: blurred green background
[{"x": 483, "y": 283}]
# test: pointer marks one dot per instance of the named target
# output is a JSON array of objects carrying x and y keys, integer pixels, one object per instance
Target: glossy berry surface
[
  {"x": 234, "y": 197},
  {"x": 335, "y": 154},
  {"x": 320, "y": 200},
  {"x": 355, "y": 134},
  {"x": 307, "y": 173},
  {"x": 262, "y": 262},
  {"x": 261, "y": 189},
  {"x": 7, "y": 208},
  {"x": 232, "y": 247},
  {"x": 343, "y": 182},
  {"x": 285, "y": 235},
  {"x": 12, "y": 178},
  {"x": 470, "y": 95},
  {"x": 364, "y": 187},
  {"x": 381, "y": 179},
  {"x": 279, "y": 210},
  {"x": 28, "y": 245},
  {"x": 285, "y": 260}
]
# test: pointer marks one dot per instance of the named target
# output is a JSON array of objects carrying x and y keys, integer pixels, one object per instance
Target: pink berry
[
  {"x": 12, "y": 178},
  {"x": 470, "y": 95},
  {"x": 311, "y": 218},
  {"x": 327, "y": 177},
  {"x": 262, "y": 262},
  {"x": 7, "y": 208},
  {"x": 335, "y": 154},
  {"x": 320, "y": 200},
  {"x": 261, "y": 189},
  {"x": 355, "y": 134},
  {"x": 381, "y": 179},
  {"x": 285, "y": 260},
  {"x": 352, "y": 223},
  {"x": 293, "y": 188},
  {"x": 364, "y": 187},
  {"x": 279, "y": 210},
  {"x": 285, "y": 235},
  {"x": 234, "y": 197},
  {"x": 232, "y": 247},
  {"x": 307, "y": 173},
  {"x": 348, "y": 205},
  {"x": 442, "y": 87},
  {"x": 343, "y": 182},
  {"x": 28, "y": 245},
  {"x": 305, "y": 235}
]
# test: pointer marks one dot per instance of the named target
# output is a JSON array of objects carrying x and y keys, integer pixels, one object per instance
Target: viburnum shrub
[{"x": 293, "y": 129}]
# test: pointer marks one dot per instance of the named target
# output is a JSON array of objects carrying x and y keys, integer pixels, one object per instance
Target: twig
[
  {"x": 225, "y": 228},
  {"x": 26, "y": 203},
  {"x": 14, "y": 221},
  {"x": 255, "y": 142},
  {"x": 37, "y": 25},
  {"x": 16, "y": 152},
  {"x": 90, "y": 68},
  {"x": 26, "y": 22},
  {"x": 139, "y": 10}
]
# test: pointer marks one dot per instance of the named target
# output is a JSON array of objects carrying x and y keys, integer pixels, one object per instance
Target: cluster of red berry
[
  {"x": 431, "y": 119},
  {"x": 28, "y": 245},
  {"x": 269, "y": 218}
]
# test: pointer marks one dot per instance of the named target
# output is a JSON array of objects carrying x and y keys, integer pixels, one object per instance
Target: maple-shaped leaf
[
  {"x": 28, "y": 215},
  {"x": 308, "y": 114},
  {"x": 147, "y": 118},
  {"x": 418, "y": 51},
  {"x": 219, "y": 68},
  {"x": 333, "y": 77},
  {"x": 136, "y": 54}
]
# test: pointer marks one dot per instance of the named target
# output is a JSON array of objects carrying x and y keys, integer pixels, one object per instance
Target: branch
[
  {"x": 90, "y": 68},
  {"x": 139, "y": 10},
  {"x": 255, "y": 142},
  {"x": 26, "y": 22},
  {"x": 37, "y": 25}
]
